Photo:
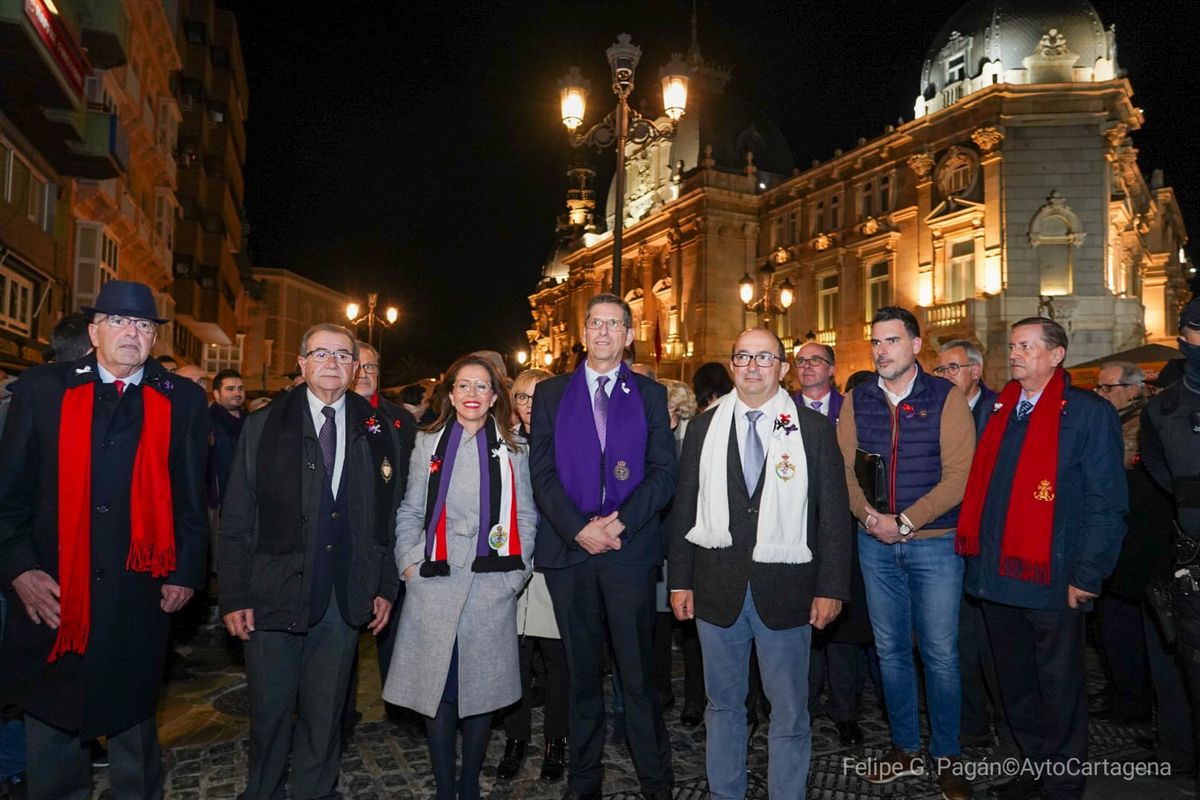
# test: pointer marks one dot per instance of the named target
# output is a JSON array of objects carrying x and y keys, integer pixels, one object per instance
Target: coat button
[
  {"x": 101, "y": 509},
  {"x": 304, "y": 520},
  {"x": 300, "y": 573},
  {"x": 334, "y": 515},
  {"x": 328, "y": 548},
  {"x": 107, "y": 443}
]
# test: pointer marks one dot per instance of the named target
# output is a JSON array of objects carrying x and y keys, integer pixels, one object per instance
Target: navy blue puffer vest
[{"x": 910, "y": 439}]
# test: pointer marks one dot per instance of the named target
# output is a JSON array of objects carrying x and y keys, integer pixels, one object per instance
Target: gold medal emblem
[
  {"x": 621, "y": 471},
  {"x": 385, "y": 470},
  {"x": 1044, "y": 491},
  {"x": 497, "y": 537},
  {"x": 785, "y": 469}
]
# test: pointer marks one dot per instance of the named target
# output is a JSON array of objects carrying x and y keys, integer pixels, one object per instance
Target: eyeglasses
[
  {"x": 370, "y": 369},
  {"x": 522, "y": 398},
  {"x": 477, "y": 387},
  {"x": 762, "y": 359},
  {"x": 595, "y": 323},
  {"x": 1105, "y": 388},
  {"x": 949, "y": 369},
  {"x": 142, "y": 325},
  {"x": 811, "y": 361},
  {"x": 321, "y": 356}
]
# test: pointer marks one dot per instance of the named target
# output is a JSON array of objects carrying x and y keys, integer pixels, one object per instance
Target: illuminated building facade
[{"x": 1015, "y": 190}]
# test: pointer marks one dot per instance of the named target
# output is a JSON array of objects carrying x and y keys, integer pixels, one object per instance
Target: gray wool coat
[{"x": 477, "y": 608}]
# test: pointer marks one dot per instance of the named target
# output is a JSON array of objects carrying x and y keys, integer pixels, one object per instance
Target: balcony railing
[
  {"x": 945, "y": 314},
  {"x": 828, "y": 336}
]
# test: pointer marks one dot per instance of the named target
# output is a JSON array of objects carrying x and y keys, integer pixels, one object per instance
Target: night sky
[{"x": 416, "y": 149}]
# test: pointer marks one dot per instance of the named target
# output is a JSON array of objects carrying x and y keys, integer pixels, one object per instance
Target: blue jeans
[
  {"x": 783, "y": 664},
  {"x": 916, "y": 585}
]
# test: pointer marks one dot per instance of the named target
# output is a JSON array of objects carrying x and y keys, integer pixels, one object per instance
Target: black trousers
[
  {"x": 517, "y": 717},
  {"x": 1123, "y": 650},
  {"x": 1043, "y": 687},
  {"x": 588, "y": 598},
  {"x": 979, "y": 682},
  {"x": 1172, "y": 709},
  {"x": 297, "y": 686},
  {"x": 59, "y": 764},
  {"x": 693, "y": 662},
  {"x": 837, "y": 663},
  {"x": 1187, "y": 646}
]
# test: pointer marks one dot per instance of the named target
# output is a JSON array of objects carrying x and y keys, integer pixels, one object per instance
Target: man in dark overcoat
[
  {"x": 305, "y": 559},
  {"x": 102, "y": 538}
]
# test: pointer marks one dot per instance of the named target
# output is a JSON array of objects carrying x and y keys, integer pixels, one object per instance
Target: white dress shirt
[
  {"x": 765, "y": 426},
  {"x": 592, "y": 383},
  {"x": 897, "y": 399},
  {"x": 108, "y": 377},
  {"x": 315, "y": 407}
]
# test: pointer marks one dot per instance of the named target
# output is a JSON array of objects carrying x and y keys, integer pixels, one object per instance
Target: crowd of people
[{"x": 796, "y": 541}]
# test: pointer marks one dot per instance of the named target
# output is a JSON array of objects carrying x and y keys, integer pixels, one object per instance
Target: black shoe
[
  {"x": 691, "y": 716},
  {"x": 618, "y": 731},
  {"x": 658, "y": 794},
  {"x": 975, "y": 740},
  {"x": 1020, "y": 788},
  {"x": 849, "y": 733},
  {"x": 514, "y": 756},
  {"x": 571, "y": 794},
  {"x": 554, "y": 762}
]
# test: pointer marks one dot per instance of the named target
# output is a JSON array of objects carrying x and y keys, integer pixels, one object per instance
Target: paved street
[{"x": 203, "y": 724}]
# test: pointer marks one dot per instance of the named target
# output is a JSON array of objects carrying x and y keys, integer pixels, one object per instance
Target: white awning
[{"x": 206, "y": 332}]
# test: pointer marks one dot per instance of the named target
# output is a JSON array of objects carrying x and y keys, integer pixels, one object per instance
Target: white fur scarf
[{"x": 783, "y": 509}]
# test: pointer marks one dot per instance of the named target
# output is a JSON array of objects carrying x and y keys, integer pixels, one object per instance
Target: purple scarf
[
  {"x": 577, "y": 445},
  {"x": 498, "y": 544}
]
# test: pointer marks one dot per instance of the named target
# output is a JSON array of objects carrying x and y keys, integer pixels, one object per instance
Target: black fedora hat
[{"x": 125, "y": 299}]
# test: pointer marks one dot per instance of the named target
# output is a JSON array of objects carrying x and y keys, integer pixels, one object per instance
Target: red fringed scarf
[
  {"x": 1029, "y": 522},
  {"x": 152, "y": 526}
]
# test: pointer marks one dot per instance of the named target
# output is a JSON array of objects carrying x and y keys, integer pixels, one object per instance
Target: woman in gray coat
[{"x": 464, "y": 545}]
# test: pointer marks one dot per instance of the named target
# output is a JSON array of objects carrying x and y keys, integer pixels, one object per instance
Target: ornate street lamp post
[
  {"x": 623, "y": 124},
  {"x": 765, "y": 305},
  {"x": 387, "y": 320}
]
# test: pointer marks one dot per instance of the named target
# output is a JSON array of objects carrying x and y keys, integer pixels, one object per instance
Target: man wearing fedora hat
[{"x": 102, "y": 538}]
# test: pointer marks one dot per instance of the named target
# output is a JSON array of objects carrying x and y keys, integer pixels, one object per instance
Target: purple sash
[{"x": 583, "y": 469}]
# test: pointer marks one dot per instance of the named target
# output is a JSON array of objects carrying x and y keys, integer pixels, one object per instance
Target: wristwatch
[{"x": 903, "y": 527}]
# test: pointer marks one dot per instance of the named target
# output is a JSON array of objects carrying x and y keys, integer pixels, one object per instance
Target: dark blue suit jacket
[
  {"x": 982, "y": 411},
  {"x": 1089, "y": 512},
  {"x": 643, "y": 541}
]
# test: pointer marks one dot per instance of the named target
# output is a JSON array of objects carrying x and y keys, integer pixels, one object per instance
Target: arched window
[{"x": 1055, "y": 233}]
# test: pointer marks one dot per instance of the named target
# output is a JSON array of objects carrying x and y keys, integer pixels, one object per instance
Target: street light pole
[
  {"x": 623, "y": 125},
  {"x": 619, "y": 188},
  {"x": 389, "y": 319}
]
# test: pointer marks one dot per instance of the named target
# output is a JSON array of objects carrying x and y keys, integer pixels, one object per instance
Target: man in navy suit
[
  {"x": 960, "y": 362},
  {"x": 1042, "y": 522},
  {"x": 602, "y": 463}
]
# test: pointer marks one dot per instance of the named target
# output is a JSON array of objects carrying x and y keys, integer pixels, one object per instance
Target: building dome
[{"x": 1015, "y": 41}]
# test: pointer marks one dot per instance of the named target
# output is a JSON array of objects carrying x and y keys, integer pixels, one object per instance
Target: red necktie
[{"x": 120, "y": 387}]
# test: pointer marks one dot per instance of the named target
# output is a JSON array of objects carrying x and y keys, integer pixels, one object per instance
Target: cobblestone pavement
[{"x": 203, "y": 724}]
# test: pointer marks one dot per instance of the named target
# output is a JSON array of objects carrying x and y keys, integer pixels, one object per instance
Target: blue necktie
[
  {"x": 327, "y": 438},
  {"x": 1023, "y": 409},
  {"x": 752, "y": 461}
]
